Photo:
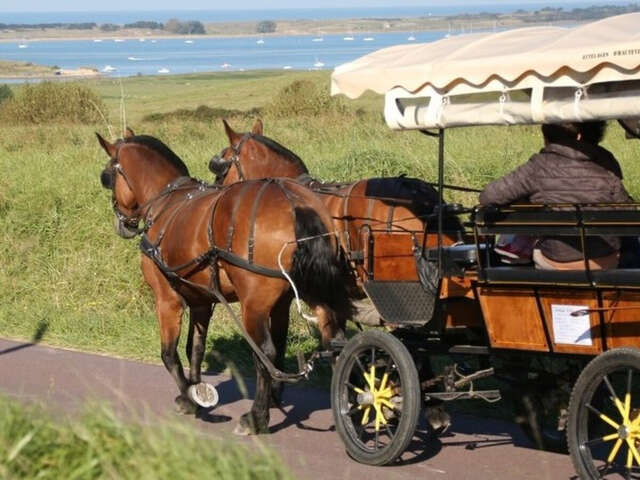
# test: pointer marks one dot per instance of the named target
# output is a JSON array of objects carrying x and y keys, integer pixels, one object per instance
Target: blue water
[
  {"x": 229, "y": 15},
  {"x": 132, "y": 57}
]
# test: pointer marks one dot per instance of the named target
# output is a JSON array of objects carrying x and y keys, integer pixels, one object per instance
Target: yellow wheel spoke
[
  {"x": 383, "y": 383},
  {"x": 621, "y": 408},
  {"x": 365, "y": 415},
  {"x": 627, "y": 406},
  {"x": 609, "y": 421},
  {"x": 608, "y": 438},
  {"x": 358, "y": 390},
  {"x": 632, "y": 447},
  {"x": 387, "y": 403},
  {"x": 614, "y": 450},
  {"x": 372, "y": 379},
  {"x": 379, "y": 417},
  {"x": 629, "y": 458}
]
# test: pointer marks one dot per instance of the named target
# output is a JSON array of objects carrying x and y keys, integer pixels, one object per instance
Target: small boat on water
[
  {"x": 108, "y": 69},
  {"x": 119, "y": 40},
  {"x": 317, "y": 39},
  {"x": 225, "y": 65},
  {"x": 188, "y": 41},
  {"x": 23, "y": 45},
  {"x": 411, "y": 38},
  {"x": 260, "y": 41},
  {"x": 318, "y": 64},
  {"x": 164, "y": 70},
  {"x": 97, "y": 40},
  {"x": 287, "y": 67},
  {"x": 368, "y": 39},
  {"x": 348, "y": 38}
]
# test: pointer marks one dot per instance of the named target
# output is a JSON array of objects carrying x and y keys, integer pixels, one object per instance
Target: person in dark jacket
[{"x": 571, "y": 168}]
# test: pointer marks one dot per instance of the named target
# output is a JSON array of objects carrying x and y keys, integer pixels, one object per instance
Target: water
[
  {"x": 121, "y": 17},
  {"x": 132, "y": 57}
]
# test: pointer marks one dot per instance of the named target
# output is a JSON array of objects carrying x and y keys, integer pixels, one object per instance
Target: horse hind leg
[
  {"x": 256, "y": 321},
  {"x": 279, "y": 329}
]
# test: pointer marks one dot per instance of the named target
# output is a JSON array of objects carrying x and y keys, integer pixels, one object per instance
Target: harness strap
[
  {"x": 252, "y": 218},
  {"x": 243, "y": 190},
  {"x": 346, "y": 218},
  {"x": 390, "y": 218}
]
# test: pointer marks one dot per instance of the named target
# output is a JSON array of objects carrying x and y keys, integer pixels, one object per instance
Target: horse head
[
  {"x": 251, "y": 155},
  {"x": 138, "y": 169}
]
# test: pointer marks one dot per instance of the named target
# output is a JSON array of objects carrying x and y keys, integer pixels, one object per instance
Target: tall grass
[
  {"x": 65, "y": 273},
  {"x": 101, "y": 445}
]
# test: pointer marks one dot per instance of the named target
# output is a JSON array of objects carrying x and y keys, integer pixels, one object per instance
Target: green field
[
  {"x": 99, "y": 445},
  {"x": 67, "y": 279}
]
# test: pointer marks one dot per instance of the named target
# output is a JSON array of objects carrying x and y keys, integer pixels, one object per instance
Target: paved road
[{"x": 474, "y": 448}]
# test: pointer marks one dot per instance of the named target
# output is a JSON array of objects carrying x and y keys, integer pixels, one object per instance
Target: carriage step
[{"x": 486, "y": 395}]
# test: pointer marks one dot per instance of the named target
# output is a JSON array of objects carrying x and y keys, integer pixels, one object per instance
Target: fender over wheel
[
  {"x": 604, "y": 417},
  {"x": 375, "y": 397}
]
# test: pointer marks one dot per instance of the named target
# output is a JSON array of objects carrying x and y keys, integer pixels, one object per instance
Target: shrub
[
  {"x": 203, "y": 113},
  {"x": 53, "y": 102},
  {"x": 266, "y": 26},
  {"x": 5, "y": 93},
  {"x": 304, "y": 98}
]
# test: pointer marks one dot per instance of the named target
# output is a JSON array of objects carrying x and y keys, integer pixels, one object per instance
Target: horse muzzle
[{"x": 123, "y": 230}]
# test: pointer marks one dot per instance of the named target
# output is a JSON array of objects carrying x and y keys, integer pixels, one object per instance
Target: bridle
[{"x": 221, "y": 165}]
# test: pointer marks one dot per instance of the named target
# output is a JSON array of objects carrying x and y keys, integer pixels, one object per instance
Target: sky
[{"x": 139, "y": 5}]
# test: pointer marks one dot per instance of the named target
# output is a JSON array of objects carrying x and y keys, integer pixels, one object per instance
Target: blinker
[{"x": 107, "y": 178}]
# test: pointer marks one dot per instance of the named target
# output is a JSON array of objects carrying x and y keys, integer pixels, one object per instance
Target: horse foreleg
[
  {"x": 279, "y": 330},
  {"x": 169, "y": 310},
  {"x": 256, "y": 322},
  {"x": 199, "y": 318}
]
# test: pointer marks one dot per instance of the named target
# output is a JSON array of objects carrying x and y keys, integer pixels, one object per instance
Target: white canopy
[{"x": 535, "y": 75}]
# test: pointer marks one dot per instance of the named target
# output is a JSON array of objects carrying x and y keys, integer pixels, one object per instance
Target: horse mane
[
  {"x": 282, "y": 150},
  {"x": 159, "y": 147}
]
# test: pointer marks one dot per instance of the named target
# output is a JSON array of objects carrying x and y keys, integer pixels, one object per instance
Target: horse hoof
[
  {"x": 203, "y": 394},
  {"x": 248, "y": 425},
  {"x": 184, "y": 406},
  {"x": 242, "y": 430}
]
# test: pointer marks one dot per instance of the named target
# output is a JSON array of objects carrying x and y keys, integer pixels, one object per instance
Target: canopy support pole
[{"x": 440, "y": 196}]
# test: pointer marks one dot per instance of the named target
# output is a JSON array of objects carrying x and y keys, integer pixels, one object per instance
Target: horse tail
[{"x": 318, "y": 269}]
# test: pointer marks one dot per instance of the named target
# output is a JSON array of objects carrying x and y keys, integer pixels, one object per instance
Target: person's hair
[{"x": 591, "y": 132}]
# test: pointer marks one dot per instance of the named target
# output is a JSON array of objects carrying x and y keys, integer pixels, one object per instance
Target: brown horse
[
  {"x": 396, "y": 204},
  {"x": 202, "y": 245}
]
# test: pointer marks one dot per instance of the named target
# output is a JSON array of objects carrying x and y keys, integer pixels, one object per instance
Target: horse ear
[
  {"x": 257, "y": 127},
  {"x": 234, "y": 138},
  {"x": 110, "y": 148},
  {"x": 128, "y": 133}
]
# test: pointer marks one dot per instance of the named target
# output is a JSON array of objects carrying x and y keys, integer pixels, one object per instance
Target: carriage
[
  {"x": 436, "y": 284},
  {"x": 581, "y": 327}
]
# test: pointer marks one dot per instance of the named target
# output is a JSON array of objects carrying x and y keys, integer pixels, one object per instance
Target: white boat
[
  {"x": 118, "y": 40},
  {"x": 134, "y": 59},
  {"x": 348, "y": 38},
  {"x": 318, "y": 64},
  {"x": 188, "y": 41},
  {"x": 317, "y": 39},
  {"x": 153, "y": 41},
  {"x": 287, "y": 67},
  {"x": 23, "y": 45},
  {"x": 225, "y": 65},
  {"x": 141, "y": 39},
  {"x": 411, "y": 38},
  {"x": 108, "y": 69},
  {"x": 97, "y": 40},
  {"x": 368, "y": 39},
  {"x": 260, "y": 41},
  {"x": 164, "y": 70}
]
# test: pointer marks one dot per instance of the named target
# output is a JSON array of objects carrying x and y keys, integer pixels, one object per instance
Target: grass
[
  {"x": 100, "y": 445},
  {"x": 67, "y": 278}
]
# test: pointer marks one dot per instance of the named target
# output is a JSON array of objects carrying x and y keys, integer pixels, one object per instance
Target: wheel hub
[
  {"x": 375, "y": 397},
  {"x": 627, "y": 431}
]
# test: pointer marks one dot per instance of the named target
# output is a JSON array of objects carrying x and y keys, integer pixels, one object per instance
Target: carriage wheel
[
  {"x": 375, "y": 397},
  {"x": 604, "y": 417}
]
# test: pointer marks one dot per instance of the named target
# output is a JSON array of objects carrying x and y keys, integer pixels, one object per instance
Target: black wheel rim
[
  {"x": 371, "y": 399},
  {"x": 609, "y": 424}
]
